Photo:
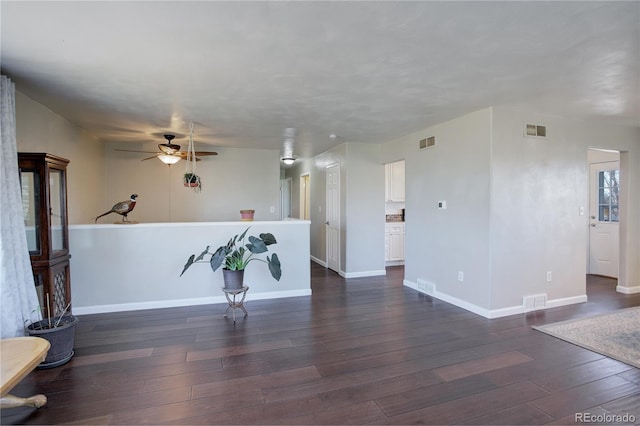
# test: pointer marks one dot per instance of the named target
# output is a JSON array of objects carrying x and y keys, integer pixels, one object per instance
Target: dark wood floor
[{"x": 359, "y": 351}]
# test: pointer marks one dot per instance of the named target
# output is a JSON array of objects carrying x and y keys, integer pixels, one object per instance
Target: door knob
[
  {"x": 593, "y": 217},
  {"x": 326, "y": 223},
  {"x": 593, "y": 225}
]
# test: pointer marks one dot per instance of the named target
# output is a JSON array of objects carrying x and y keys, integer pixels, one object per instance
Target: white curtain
[{"x": 17, "y": 291}]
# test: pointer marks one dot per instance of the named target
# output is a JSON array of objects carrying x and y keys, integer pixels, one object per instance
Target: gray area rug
[{"x": 616, "y": 335}]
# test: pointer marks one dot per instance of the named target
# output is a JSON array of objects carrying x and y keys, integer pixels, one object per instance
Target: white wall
[
  {"x": 439, "y": 243},
  {"x": 38, "y": 129},
  {"x": 629, "y": 274},
  {"x": 361, "y": 206},
  {"x": 128, "y": 267},
  {"x": 539, "y": 186},
  {"x": 365, "y": 206},
  {"x": 235, "y": 179},
  {"x": 512, "y": 208},
  {"x": 98, "y": 177}
]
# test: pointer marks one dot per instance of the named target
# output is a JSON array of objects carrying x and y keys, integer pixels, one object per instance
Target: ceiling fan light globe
[{"x": 168, "y": 159}]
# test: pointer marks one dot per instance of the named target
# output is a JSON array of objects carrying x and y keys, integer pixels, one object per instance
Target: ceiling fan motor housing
[{"x": 168, "y": 148}]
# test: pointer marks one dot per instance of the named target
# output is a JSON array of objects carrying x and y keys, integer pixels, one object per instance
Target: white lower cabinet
[{"x": 394, "y": 242}]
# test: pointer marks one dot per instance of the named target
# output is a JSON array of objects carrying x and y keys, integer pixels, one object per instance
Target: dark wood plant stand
[{"x": 232, "y": 295}]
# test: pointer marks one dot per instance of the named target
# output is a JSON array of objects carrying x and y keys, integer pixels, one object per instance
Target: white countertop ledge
[{"x": 188, "y": 224}]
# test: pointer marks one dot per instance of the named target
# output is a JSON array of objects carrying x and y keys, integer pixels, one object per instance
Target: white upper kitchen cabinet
[{"x": 394, "y": 181}]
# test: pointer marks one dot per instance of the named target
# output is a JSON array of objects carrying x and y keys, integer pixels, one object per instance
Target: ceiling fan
[{"x": 170, "y": 153}]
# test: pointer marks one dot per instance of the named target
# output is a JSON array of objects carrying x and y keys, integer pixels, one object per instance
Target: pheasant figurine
[{"x": 123, "y": 208}]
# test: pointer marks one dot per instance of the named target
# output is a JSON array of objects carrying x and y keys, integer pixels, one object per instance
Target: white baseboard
[
  {"x": 495, "y": 313},
  {"x": 628, "y": 290},
  {"x": 363, "y": 273},
  {"x": 344, "y": 274},
  {"x": 102, "y": 309},
  {"x": 412, "y": 285},
  {"x": 319, "y": 262},
  {"x": 555, "y": 303}
]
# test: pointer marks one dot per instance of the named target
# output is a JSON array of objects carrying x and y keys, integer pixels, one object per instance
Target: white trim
[
  {"x": 555, "y": 303},
  {"x": 628, "y": 290},
  {"x": 304, "y": 191},
  {"x": 494, "y": 313},
  {"x": 361, "y": 274},
  {"x": 318, "y": 261},
  {"x": 337, "y": 165},
  {"x": 137, "y": 306},
  {"x": 187, "y": 224}
]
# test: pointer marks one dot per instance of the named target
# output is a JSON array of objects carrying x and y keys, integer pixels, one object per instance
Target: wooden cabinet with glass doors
[{"x": 43, "y": 181}]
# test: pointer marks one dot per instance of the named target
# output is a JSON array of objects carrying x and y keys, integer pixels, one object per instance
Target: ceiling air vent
[
  {"x": 535, "y": 130},
  {"x": 427, "y": 142}
]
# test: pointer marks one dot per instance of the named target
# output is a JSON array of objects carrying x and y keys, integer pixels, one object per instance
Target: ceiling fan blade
[
  {"x": 183, "y": 154},
  {"x": 129, "y": 150},
  {"x": 149, "y": 158},
  {"x": 169, "y": 148}
]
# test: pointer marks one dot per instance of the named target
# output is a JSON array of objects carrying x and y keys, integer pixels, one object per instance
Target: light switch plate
[{"x": 442, "y": 205}]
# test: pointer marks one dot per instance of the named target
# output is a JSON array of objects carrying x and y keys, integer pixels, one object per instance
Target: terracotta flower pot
[{"x": 247, "y": 215}]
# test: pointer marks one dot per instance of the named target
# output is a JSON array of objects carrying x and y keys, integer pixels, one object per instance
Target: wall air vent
[
  {"x": 427, "y": 142},
  {"x": 534, "y": 302},
  {"x": 535, "y": 130}
]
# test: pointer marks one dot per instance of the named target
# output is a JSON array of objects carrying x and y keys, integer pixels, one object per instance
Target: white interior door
[
  {"x": 604, "y": 185},
  {"x": 285, "y": 198},
  {"x": 305, "y": 197},
  {"x": 333, "y": 217}
]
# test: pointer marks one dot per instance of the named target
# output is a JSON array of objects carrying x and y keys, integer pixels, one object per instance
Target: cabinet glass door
[
  {"x": 56, "y": 182},
  {"x": 30, "y": 183}
]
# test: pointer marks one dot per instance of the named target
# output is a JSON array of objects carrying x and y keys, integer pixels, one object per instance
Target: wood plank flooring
[{"x": 359, "y": 351}]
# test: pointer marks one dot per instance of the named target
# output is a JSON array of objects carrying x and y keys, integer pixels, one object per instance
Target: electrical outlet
[
  {"x": 272, "y": 209},
  {"x": 548, "y": 276},
  {"x": 460, "y": 276}
]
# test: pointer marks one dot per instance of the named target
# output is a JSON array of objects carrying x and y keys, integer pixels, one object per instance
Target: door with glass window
[{"x": 603, "y": 218}]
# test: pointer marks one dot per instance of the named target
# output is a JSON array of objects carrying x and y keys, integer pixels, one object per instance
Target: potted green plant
[
  {"x": 192, "y": 180},
  {"x": 235, "y": 256}
]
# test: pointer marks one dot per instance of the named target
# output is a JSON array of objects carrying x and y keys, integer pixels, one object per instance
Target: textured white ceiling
[{"x": 366, "y": 71}]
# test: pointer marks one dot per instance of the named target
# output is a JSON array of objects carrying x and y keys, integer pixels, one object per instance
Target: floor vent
[
  {"x": 535, "y": 130},
  {"x": 534, "y": 302},
  {"x": 427, "y": 142},
  {"x": 426, "y": 287}
]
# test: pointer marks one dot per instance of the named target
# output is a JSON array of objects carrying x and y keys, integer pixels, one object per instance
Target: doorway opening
[
  {"x": 394, "y": 232},
  {"x": 305, "y": 197},
  {"x": 285, "y": 198},
  {"x": 604, "y": 213}
]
